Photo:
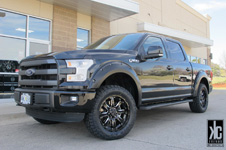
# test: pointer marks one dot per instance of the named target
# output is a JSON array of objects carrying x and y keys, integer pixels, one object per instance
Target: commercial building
[{"x": 29, "y": 27}]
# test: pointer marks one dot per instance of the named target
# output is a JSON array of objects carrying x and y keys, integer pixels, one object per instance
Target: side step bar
[{"x": 148, "y": 107}]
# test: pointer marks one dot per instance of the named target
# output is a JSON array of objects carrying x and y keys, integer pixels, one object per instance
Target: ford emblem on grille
[{"x": 30, "y": 72}]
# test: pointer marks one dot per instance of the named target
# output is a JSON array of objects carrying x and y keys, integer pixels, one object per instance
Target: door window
[{"x": 153, "y": 41}]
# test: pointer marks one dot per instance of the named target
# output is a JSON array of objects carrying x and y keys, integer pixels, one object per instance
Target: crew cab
[{"x": 108, "y": 81}]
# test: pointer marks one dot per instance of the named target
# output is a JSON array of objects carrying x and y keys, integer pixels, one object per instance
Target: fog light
[{"x": 74, "y": 98}]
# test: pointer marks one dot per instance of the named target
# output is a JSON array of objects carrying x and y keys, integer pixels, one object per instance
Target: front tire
[
  {"x": 113, "y": 114},
  {"x": 200, "y": 103}
]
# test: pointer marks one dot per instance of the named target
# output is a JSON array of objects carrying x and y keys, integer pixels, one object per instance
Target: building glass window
[
  {"x": 193, "y": 59},
  {"x": 12, "y": 24},
  {"x": 82, "y": 38},
  {"x": 38, "y": 29},
  {"x": 12, "y": 49},
  {"x": 37, "y": 48},
  {"x": 23, "y": 35},
  {"x": 199, "y": 60},
  {"x": 204, "y": 61}
]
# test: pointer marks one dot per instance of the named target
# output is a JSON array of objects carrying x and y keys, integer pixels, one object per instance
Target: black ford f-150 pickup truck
[{"x": 107, "y": 82}]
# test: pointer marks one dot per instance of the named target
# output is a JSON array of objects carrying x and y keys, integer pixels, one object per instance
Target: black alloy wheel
[
  {"x": 113, "y": 114},
  {"x": 200, "y": 102},
  {"x": 203, "y": 96}
]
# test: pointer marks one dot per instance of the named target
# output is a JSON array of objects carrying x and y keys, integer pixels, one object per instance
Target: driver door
[{"x": 156, "y": 75}]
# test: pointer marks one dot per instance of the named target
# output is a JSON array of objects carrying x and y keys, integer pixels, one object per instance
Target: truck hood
[{"x": 88, "y": 54}]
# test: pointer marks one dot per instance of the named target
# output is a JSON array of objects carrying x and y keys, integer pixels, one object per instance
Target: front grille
[
  {"x": 45, "y": 74},
  {"x": 42, "y": 77},
  {"x": 44, "y": 66}
]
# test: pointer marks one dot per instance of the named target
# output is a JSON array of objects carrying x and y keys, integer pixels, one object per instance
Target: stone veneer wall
[
  {"x": 64, "y": 30},
  {"x": 100, "y": 29}
]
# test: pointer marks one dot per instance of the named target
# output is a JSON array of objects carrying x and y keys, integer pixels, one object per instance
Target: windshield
[{"x": 117, "y": 42}]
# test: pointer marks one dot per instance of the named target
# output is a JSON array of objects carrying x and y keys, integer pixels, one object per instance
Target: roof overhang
[
  {"x": 106, "y": 9},
  {"x": 187, "y": 39}
]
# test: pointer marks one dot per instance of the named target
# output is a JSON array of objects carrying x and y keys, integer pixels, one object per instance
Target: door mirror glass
[{"x": 154, "y": 52}]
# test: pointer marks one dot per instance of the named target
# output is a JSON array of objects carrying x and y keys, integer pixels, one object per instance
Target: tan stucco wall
[
  {"x": 100, "y": 29},
  {"x": 190, "y": 22},
  {"x": 173, "y": 14},
  {"x": 83, "y": 21},
  {"x": 29, "y": 7},
  {"x": 65, "y": 24},
  {"x": 168, "y": 13},
  {"x": 196, "y": 52},
  {"x": 64, "y": 35}
]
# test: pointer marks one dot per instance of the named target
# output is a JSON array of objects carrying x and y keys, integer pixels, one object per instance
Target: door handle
[
  {"x": 188, "y": 69},
  {"x": 169, "y": 67}
]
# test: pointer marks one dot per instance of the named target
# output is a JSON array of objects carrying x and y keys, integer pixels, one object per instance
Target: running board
[{"x": 148, "y": 107}]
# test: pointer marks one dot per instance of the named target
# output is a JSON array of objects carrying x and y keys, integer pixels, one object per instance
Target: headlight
[{"x": 81, "y": 66}]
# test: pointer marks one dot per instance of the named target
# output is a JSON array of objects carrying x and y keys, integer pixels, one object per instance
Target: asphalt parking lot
[{"x": 173, "y": 127}]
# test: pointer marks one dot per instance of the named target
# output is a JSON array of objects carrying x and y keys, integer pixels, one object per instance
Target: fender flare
[
  {"x": 197, "y": 81},
  {"x": 111, "y": 68}
]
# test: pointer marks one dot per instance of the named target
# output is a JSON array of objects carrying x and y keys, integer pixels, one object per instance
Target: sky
[{"x": 217, "y": 10}]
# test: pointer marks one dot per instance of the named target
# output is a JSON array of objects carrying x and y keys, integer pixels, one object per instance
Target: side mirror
[{"x": 154, "y": 52}]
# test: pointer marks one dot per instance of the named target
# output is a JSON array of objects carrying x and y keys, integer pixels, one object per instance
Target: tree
[{"x": 216, "y": 69}]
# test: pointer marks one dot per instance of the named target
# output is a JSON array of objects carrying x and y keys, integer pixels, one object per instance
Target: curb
[
  {"x": 13, "y": 116},
  {"x": 219, "y": 88},
  {"x": 6, "y": 95}
]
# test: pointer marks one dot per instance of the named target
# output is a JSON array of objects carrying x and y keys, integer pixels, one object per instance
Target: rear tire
[
  {"x": 45, "y": 121},
  {"x": 200, "y": 103},
  {"x": 113, "y": 114}
]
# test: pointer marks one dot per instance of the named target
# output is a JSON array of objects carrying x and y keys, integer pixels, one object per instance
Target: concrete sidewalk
[
  {"x": 6, "y": 100},
  {"x": 9, "y": 112}
]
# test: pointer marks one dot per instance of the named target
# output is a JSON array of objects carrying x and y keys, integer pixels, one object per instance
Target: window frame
[
  {"x": 181, "y": 48},
  {"x": 89, "y": 37},
  {"x": 189, "y": 58},
  {"x": 26, "y": 38}
]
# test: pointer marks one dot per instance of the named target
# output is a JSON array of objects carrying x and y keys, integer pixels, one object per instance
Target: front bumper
[
  {"x": 53, "y": 101},
  {"x": 56, "y": 116}
]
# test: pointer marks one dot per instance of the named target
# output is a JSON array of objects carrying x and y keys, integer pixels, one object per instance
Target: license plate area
[{"x": 25, "y": 98}]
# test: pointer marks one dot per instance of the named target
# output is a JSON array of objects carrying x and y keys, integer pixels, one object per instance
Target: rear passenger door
[{"x": 181, "y": 67}]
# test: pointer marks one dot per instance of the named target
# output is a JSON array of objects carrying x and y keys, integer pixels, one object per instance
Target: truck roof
[{"x": 147, "y": 33}]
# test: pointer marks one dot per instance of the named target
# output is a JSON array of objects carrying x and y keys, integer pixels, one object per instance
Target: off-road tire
[
  {"x": 94, "y": 122},
  {"x": 198, "y": 105}
]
